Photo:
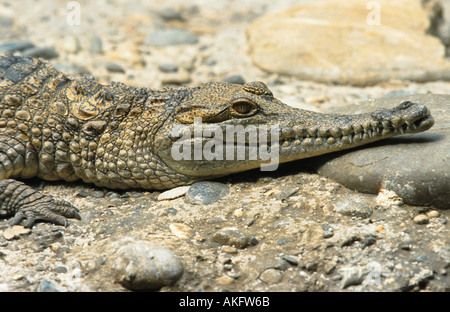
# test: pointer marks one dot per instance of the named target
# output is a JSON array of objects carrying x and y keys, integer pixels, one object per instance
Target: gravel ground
[{"x": 290, "y": 230}]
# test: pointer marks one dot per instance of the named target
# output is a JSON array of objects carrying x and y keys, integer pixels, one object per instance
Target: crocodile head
[{"x": 220, "y": 128}]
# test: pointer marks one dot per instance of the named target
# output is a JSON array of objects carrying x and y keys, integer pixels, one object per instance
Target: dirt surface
[{"x": 303, "y": 232}]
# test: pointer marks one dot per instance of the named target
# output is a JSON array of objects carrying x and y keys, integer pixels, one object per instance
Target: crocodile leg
[
  {"x": 26, "y": 203},
  {"x": 21, "y": 200}
]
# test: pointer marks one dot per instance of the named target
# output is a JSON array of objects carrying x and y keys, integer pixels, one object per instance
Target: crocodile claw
[
  {"x": 28, "y": 204},
  {"x": 46, "y": 209}
]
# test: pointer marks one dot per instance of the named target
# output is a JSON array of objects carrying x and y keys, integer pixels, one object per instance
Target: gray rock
[
  {"x": 237, "y": 79},
  {"x": 15, "y": 46},
  {"x": 142, "y": 266},
  {"x": 168, "y": 68},
  {"x": 170, "y": 14},
  {"x": 271, "y": 276},
  {"x": 114, "y": 67},
  {"x": 171, "y": 36},
  {"x": 353, "y": 276},
  {"x": 43, "y": 52},
  {"x": 6, "y": 21},
  {"x": 399, "y": 92},
  {"x": 231, "y": 237},
  {"x": 354, "y": 206},
  {"x": 49, "y": 286},
  {"x": 205, "y": 193},
  {"x": 416, "y": 167},
  {"x": 96, "y": 45}
]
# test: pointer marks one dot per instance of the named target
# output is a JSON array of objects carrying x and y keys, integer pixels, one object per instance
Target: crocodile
[{"x": 54, "y": 127}]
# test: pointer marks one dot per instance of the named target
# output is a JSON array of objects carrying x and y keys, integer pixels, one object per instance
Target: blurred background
[{"x": 313, "y": 54}]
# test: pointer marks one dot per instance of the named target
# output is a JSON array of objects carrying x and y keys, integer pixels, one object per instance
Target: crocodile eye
[{"x": 243, "y": 107}]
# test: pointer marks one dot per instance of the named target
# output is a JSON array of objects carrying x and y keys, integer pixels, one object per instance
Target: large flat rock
[
  {"x": 349, "y": 42},
  {"x": 415, "y": 166}
]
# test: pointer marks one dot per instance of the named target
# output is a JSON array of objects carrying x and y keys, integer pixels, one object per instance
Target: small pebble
[
  {"x": 290, "y": 260},
  {"x": 254, "y": 241},
  {"x": 142, "y": 266},
  {"x": 205, "y": 193},
  {"x": 200, "y": 238},
  {"x": 229, "y": 249},
  {"x": 282, "y": 241},
  {"x": 380, "y": 229},
  {"x": 170, "y": 14},
  {"x": 236, "y": 79},
  {"x": 271, "y": 276},
  {"x": 114, "y": 67},
  {"x": 388, "y": 198},
  {"x": 49, "y": 286},
  {"x": 354, "y": 207},
  {"x": 43, "y": 52},
  {"x": 15, "y": 46},
  {"x": 327, "y": 234},
  {"x": 238, "y": 213},
  {"x": 6, "y": 21},
  {"x": 398, "y": 92},
  {"x": 405, "y": 246},
  {"x": 224, "y": 280},
  {"x": 171, "y": 36},
  {"x": 181, "y": 230},
  {"x": 231, "y": 237},
  {"x": 433, "y": 214},
  {"x": 83, "y": 193},
  {"x": 177, "y": 78},
  {"x": 421, "y": 219},
  {"x": 96, "y": 45},
  {"x": 326, "y": 227},
  {"x": 15, "y": 232},
  {"x": 61, "y": 269},
  {"x": 173, "y": 193},
  {"x": 172, "y": 210},
  {"x": 168, "y": 68},
  {"x": 98, "y": 194}
]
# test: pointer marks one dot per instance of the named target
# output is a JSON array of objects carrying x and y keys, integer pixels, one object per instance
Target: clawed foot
[
  {"x": 46, "y": 209},
  {"x": 25, "y": 203}
]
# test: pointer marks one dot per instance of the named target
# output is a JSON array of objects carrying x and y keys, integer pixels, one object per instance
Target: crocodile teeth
[
  {"x": 346, "y": 140},
  {"x": 347, "y": 130},
  {"x": 287, "y": 132},
  {"x": 396, "y": 121},
  {"x": 307, "y": 142},
  {"x": 299, "y": 130},
  {"x": 323, "y": 132},
  {"x": 312, "y": 131},
  {"x": 358, "y": 128}
]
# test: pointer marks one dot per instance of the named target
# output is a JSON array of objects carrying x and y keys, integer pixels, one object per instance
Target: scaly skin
[{"x": 117, "y": 136}]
